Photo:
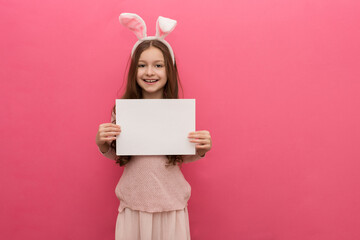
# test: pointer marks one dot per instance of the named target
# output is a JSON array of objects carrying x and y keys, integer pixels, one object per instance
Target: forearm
[
  {"x": 191, "y": 158},
  {"x": 104, "y": 148},
  {"x": 201, "y": 153}
]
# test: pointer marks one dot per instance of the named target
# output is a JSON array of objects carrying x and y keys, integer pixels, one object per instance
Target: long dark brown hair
[{"x": 134, "y": 91}]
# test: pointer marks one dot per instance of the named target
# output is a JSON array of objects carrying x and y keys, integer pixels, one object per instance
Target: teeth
[{"x": 150, "y": 81}]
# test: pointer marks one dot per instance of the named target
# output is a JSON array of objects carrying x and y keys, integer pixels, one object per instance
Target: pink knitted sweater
[{"x": 147, "y": 184}]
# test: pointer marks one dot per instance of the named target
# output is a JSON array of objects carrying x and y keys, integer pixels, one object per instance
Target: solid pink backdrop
[{"x": 276, "y": 84}]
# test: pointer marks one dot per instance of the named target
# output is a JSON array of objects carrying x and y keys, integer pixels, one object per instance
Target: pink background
[{"x": 276, "y": 83}]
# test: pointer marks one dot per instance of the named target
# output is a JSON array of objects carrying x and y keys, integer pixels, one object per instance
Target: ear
[
  {"x": 164, "y": 26},
  {"x": 135, "y": 23}
]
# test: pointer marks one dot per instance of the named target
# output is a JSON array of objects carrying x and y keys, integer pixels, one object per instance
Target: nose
[{"x": 149, "y": 71}]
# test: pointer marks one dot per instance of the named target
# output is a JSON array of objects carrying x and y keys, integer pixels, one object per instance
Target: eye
[
  {"x": 141, "y": 65},
  {"x": 159, "y": 65}
]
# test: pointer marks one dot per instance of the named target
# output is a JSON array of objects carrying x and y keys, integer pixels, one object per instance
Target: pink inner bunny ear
[
  {"x": 135, "y": 23},
  {"x": 164, "y": 26}
]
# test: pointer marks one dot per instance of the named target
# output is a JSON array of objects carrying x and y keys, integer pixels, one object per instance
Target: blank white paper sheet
[{"x": 155, "y": 126}]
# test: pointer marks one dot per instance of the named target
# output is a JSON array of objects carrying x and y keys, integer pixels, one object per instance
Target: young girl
[{"x": 152, "y": 190}]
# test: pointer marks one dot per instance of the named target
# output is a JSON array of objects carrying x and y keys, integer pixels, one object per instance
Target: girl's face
[{"x": 151, "y": 73}]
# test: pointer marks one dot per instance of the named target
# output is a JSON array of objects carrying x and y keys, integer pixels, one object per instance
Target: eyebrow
[{"x": 140, "y": 60}]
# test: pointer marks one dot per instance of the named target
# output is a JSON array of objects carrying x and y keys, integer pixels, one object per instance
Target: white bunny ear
[
  {"x": 135, "y": 23},
  {"x": 164, "y": 26}
]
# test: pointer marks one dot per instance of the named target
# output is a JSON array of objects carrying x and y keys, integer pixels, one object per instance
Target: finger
[
  {"x": 109, "y": 138},
  {"x": 194, "y": 136},
  {"x": 201, "y": 138},
  {"x": 109, "y": 134},
  {"x": 202, "y": 147},
  {"x": 202, "y": 141},
  {"x": 110, "y": 129},
  {"x": 112, "y": 133},
  {"x": 199, "y": 134},
  {"x": 109, "y": 125}
]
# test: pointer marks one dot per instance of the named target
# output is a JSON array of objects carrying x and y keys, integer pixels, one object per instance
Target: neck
[{"x": 156, "y": 95}]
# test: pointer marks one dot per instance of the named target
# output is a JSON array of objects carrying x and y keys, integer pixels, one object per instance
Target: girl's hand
[
  {"x": 202, "y": 140},
  {"x": 107, "y": 133}
]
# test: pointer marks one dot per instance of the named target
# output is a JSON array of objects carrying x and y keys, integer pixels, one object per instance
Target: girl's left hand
[{"x": 202, "y": 140}]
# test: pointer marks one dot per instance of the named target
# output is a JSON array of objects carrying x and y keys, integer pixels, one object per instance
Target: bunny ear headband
[{"x": 136, "y": 24}]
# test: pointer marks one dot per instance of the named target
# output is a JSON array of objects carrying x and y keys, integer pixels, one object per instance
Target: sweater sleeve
[
  {"x": 111, "y": 154},
  {"x": 191, "y": 158}
]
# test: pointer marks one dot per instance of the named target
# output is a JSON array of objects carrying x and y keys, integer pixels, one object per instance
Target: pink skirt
[{"x": 139, "y": 225}]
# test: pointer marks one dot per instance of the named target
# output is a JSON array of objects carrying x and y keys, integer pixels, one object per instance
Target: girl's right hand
[{"x": 107, "y": 133}]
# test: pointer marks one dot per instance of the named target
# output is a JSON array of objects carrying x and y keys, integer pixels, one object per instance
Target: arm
[
  {"x": 105, "y": 148},
  {"x": 203, "y": 145},
  {"x": 110, "y": 153},
  {"x": 191, "y": 158}
]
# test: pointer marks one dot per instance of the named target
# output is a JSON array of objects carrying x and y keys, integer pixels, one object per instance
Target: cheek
[
  {"x": 138, "y": 74},
  {"x": 138, "y": 77},
  {"x": 163, "y": 74}
]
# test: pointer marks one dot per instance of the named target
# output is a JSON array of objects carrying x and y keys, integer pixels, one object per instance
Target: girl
[{"x": 152, "y": 190}]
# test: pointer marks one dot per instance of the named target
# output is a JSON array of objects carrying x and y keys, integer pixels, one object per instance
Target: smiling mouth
[{"x": 151, "y": 80}]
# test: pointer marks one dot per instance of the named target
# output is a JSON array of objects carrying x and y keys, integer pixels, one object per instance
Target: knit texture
[{"x": 149, "y": 184}]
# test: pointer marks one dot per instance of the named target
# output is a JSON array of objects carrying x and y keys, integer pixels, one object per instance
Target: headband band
[{"x": 136, "y": 24}]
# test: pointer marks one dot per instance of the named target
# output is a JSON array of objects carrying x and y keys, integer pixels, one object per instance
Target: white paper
[{"x": 155, "y": 126}]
